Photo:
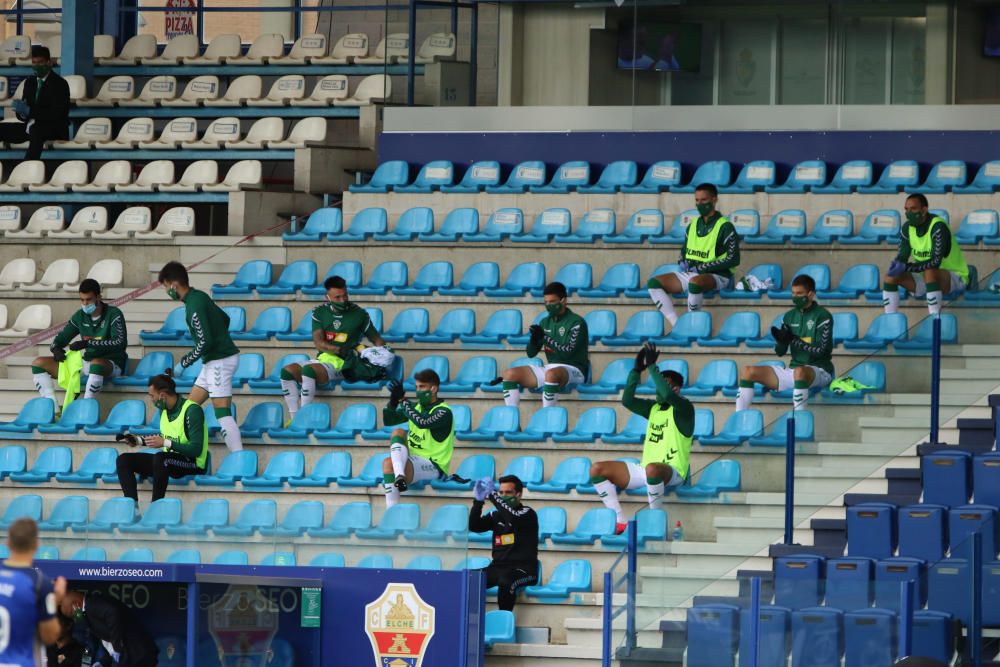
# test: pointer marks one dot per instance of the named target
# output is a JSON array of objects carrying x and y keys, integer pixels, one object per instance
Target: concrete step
[{"x": 542, "y": 655}]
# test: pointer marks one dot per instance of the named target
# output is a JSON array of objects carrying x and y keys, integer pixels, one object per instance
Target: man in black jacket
[
  {"x": 109, "y": 624},
  {"x": 43, "y": 108},
  {"x": 515, "y": 537}
]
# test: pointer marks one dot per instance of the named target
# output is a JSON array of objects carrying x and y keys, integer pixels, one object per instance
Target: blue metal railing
[
  {"x": 609, "y": 613},
  {"x": 935, "y": 378}
]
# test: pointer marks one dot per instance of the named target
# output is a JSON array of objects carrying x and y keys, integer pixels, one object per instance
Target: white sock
[
  {"x": 512, "y": 397},
  {"x": 290, "y": 388},
  {"x": 663, "y": 304},
  {"x": 231, "y": 433},
  {"x": 391, "y": 494},
  {"x": 43, "y": 383},
  {"x": 800, "y": 399},
  {"x": 399, "y": 455},
  {"x": 744, "y": 398},
  {"x": 609, "y": 496},
  {"x": 934, "y": 300},
  {"x": 549, "y": 392},
  {"x": 654, "y": 494},
  {"x": 95, "y": 381},
  {"x": 890, "y": 301},
  {"x": 695, "y": 301},
  {"x": 308, "y": 389}
]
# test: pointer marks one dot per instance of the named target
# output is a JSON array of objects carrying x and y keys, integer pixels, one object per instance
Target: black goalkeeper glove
[
  {"x": 396, "y": 391},
  {"x": 537, "y": 334},
  {"x": 58, "y": 354},
  {"x": 78, "y": 345},
  {"x": 783, "y": 334}
]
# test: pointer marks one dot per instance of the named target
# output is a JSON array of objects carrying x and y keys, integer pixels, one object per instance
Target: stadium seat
[
  {"x": 281, "y": 469},
  {"x": 272, "y": 381},
  {"x": 568, "y": 177},
  {"x": 254, "y": 516},
  {"x": 242, "y": 175},
  {"x": 397, "y": 520},
  {"x": 831, "y": 226},
  {"x": 50, "y": 462},
  {"x": 183, "y": 557},
  {"x": 348, "y": 269},
  {"x": 262, "y": 134},
  {"x": 615, "y": 176},
  {"x": 431, "y": 177},
  {"x": 59, "y": 275},
  {"x": 529, "y": 276},
  {"x": 784, "y": 226},
  {"x": 946, "y": 478},
  {"x": 35, "y": 317},
  {"x": 522, "y": 177},
  {"x": 134, "y": 130},
  {"x": 678, "y": 229},
  {"x": 386, "y": 276},
  {"x": 591, "y": 425},
  {"x": 133, "y": 220},
  {"x": 113, "y": 89},
  {"x": 80, "y": 413},
  {"x": 370, "y": 475},
  {"x": 387, "y": 51},
  {"x": 651, "y": 525},
  {"x": 498, "y": 421},
  {"x": 933, "y": 634},
  {"x": 475, "y": 372},
  {"x": 976, "y": 226},
  {"x": 948, "y": 584},
  {"x": 802, "y": 178},
  {"x": 90, "y": 554},
  {"x": 885, "y": 329},
  {"x": 720, "y": 476},
  {"x": 689, "y": 328},
  {"x": 548, "y": 223},
  {"x": 474, "y": 467},
  {"x": 158, "y": 515},
  {"x": 45, "y": 219},
  {"x": 804, "y": 430},
  {"x": 23, "y": 175},
  {"x": 923, "y": 334},
  {"x": 66, "y": 175},
  {"x": 478, "y": 176},
  {"x": 712, "y": 635},
  {"x": 526, "y": 468},
  {"x": 347, "y": 519},
  {"x": 113, "y": 513},
  {"x": 963, "y": 521},
  {"x": 388, "y": 175},
  {"x": 594, "y": 524},
  {"x": 871, "y": 373},
  {"x": 235, "y": 467},
  {"x": 854, "y": 283},
  {"x": 407, "y": 323},
  {"x": 374, "y": 88},
  {"x": 943, "y": 177},
  {"x": 567, "y": 475},
  {"x": 295, "y": 276},
  {"x": 198, "y": 90},
  {"x": 641, "y": 225},
  {"x": 232, "y": 557},
  {"x": 543, "y": 424},
  {"x": 454, "y": 323},
  {"x": 86, "y": 221},
  {"x": 896, "y": 177},
  {"x": 174, "y": 221},
  {"x": 458, "y": 222},
  {"x": 890, "y": 573},
  {"x": 124, "y": 415},
  {"x": 176, "y": 132},
  {"x": 238, "y": 93},
  {"x": 755, "y": 176},
  {"x": 985, "y": 473},
  {"x": 327, "y": 559},
  {"x": 871, "y": 530},
  {"x": 437, "y": 46},
  {"x": 271, "y": 321},
  {"x": 501, "y": 224},
  {"x": 739, "y": 427},
  {"x": 715, "y": 376},
  {"x": 351, "y": 421},
  {"x": 154, "y": 363},
  {"x": 425, "y": 562},
  {"x": 325, "y": 93},
  {"x": 922, "y": 533},
  {"x": 849, "y": 583},
  {"x": 879, "y": 226},
  {"x": 820, "y": 273},
  {"x": 10, "y": 218},
  {"x": 413, "y": 222},
  {"x": 499, "y": 628},
  {"x": 773, "y": 636},
  {"x": 869, "y": 637},
  {"x": 570, "y": 576},
  {"x": 22, "y": 506},
  {"x": 109, "y": 175},
  {"x": 375, "y": 562},
  {"x": 328, "y": 469},
  {"x": 447, "y": 520},
  {"x": 135, "y": 49},
  {"x": 157, "y": 89},
  {"x": 594, "y": 224},
  {"x": 263, "y": 50},
  {"x": 986, "y": 180},
  {"x": 67, "y": 512},
  {"x": 344, "y": 51},
  {"x": 13, "y": 458},
  {"x": 218, "y": 132},
  {"x": 716, "y": 172},
  {"x": 641, "y": 326},
  {"x": 312, "y": 417},
  {"x": 798, "y": 581},
  {"x": 849, "y": 177},
  {"x": 631, "y": 434},
  {"x": 299, "y": 518},
  {"x": 207, "y": 515},
  {"x": 737, "y": 328},
  {"x": 431, "y": 277}
]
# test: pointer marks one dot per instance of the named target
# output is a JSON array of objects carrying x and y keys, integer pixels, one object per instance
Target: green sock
[
  {"x": 508, "y": 385},
  {"x": 653, "y": 480},
  {"x": 933, "y": 287},
  {"x": 397, "y": 439},
  {"x": 694, "y": 289},
  {"x": 285, "y": 375},
  {"x": 35, "y": 370},
  {"x": 653, "y": 283},
  {"x": 222, "y": 412},
  {"x": 888, "y": 287},
  {"x": 746, "y": 383},
  {"x": 597, "y": 480},
  {"x": 801, "y": 384},
  {"x": 388, "y": 478}
]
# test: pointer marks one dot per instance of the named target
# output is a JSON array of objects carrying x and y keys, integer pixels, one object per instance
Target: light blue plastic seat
[
  {"x": 435, "y": 362},
  {"x": 719, "y": 476},
  {"x": 845, "y": 327},
  {"x": 854, "y": 283},
  {"x": 704, "y": 423},
  {"x": 574, "y": 276},
  {"x": 614, "y": 176},
  {"x": 365, "y": 224},
  {"x": 232, "y": 557},
  {"x": 375, "y": 562},
  {"x": 593, "y": 424},
  {"x": 68, "y": 511},
  {"x": 740, "y": 426},
  {"x": 522, "y": 177},
  {"x": 447, "y": 520},
  {"x": 762, "y": 272},
  {"x": 820, "y": 273},
  {"x": 431, "y": 277},
  {"x": 612, "y": 379},
  {"x": 594, "y": 524},
  {"x": 784, "y": 226},
  {"x": 499, "y": 628},
  {"x": 21, "y": 507},
  {"x": 270, "y": 322},
  {"x": 458, "y": 223},
  {"x": 123, "y": 416},
  {"x": 321, "y": 223},
  {"x": 641, "y": 225},
  {"x": 976, "y": 226},
  {"x": 235, "y": 467},
  {"x": 522, "y": 279},
  {"x": 328, "y": 559},
  {"x": 262, "y": 418},
  {"x": 549, "y": 223},
  {"x": 871, "y": 373},
  {"x": 944, "y": 176},
  {"x": 832, "y": 225},
  {"x": 425, "y": 562},
  {"x": 327, "y": 470},
  {"x": 312, "y": 417},
  {"x": 802, "y": 177},
  {"x": 543, "y": 424},
  {"x": 753, "y": 177},
  {"x": 283, "y": 467},
  {"x": 185, "y": 557},
  {"x": 689, "y": 328},
  {"x": 158, "y": 515},
  {"x": 568, "y": 474},
  {"x": 386, "y": 177},
  {"x": 737, "y": 328},
  {"x": 849, "y": 177},
  {"x": 184, "y": 378},
  {"x": 497, "y": 422},
  {"x": 678, "y": 229},
  {"x": 923, "y": 336},
  {"x": 413, "y": 222},
  {"x": 385, "y": 277},
  {"x": 114, "y": 513},
  {"x": 173, "y": 327},
  {"x": 472, "y": 563},
  {"x": 34, "y": 413},
  {"x": 453, "y": 323},
  {"x": 551, "y": 521},
  {"x": 479, "y": 276},
  {"x": 90, "y": 554},
  {"x": 715, "y": 376},
  {"x": 568, "y": 177},
  {"x": 407, "y": 323},
  {"x": 716, "y": 172},
  {"x": 250, "y": 276},
  {"x": 776, "y": 437},
  {"x": 351, "y": 421},
  {"x": 478, "y": 176},
  {"x": 641, "y": 326},
  {"x": 257, "y": 514},
  {"x": 348, "y": 269},
  {"x": 474, "y": 373},
  {"x": 594, "y": 224},
  {"x": 295, "y": 276},
  {"x": 884, "y": 329},
  {"x": 522, "y": 361},
  {"x": 746, "y": 221},
  {"x": 897, "y": 176},
  {"x": 767, "y": 341},
  {"x": 986, "y": 181},
  {"x": 472, "y": 468},
  {"x": 617, "y": 279},
  {"x": 660, "y": 177},
  {"x": 651, "y": 525},
  {"x": 600, "y": 324},
  {"x": 207, "y": 515},
  {"x": 526, "y": 468},
  {"x": 879, "y": 226},
  {"x": 570, "y": 576},
  {"x": 397, "y": 520},
  {"x": 501, "y": 224},
  {"x": 370, "y": 475},
  {"x": 13, "y": 458},
  {"x": 81, "y": 413},
  {"x": 348, "y": 518},
  {"x": 431, "y": 177},
  {"x": 251, "y": 367},
  {"x": 299, "y": 518}
]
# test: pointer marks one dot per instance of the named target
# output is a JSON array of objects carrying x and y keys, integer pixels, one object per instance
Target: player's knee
[
  {"x": 746, "y": 373},
  {"x": 799, "y": 373},
  {"x": 554, "y": 376},
  {"x": 289, "y": 371},
  {"x": 508, "y": 375},
  {"x": 893, "y": 280},
  {"x": 653, "y": 283},
  {"x": 652, "y": 470},
  {"x": 386, "y": 465},
  {"x": 39, "y": 362},
  {"x": 597, "y": 469}
]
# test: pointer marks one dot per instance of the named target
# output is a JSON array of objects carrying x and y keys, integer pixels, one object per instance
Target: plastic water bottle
[{"x": 678, "y": 534}]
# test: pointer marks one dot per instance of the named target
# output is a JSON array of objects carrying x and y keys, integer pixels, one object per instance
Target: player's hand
[
  {"x": 896, "y": 269},
  {"x": 482, "y": 488},
  {"x": 396, "y": 391},
  {"x": 21, "y": 108},
  {"x": 640, "y": 360},
  {"x": 651, "y": 353},
  {"x": 130, "y": 439},
  {"x": 78, "y": 345},
  {"x": 169, "y": 372},
  {"x": 783, "y": 334},
  {"x": 154, "y": 441},
  {"x": 537, "y": 334},
  {"x": 59, "y": 587},
  {"x": 58, "y": 354}
]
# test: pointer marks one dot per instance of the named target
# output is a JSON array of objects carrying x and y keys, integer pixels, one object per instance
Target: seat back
[
  {"x": 238, "y": 465},
  {"x": 163, "y": 87},
  {"x": 35, "y": 317},
  {"x": 210, "y": 512},
  {"x": 244, "y": 174},
  {"x": 500, "y": 419},
  {"x": 186, "y": 129},
  {"x": 438, "y": 172},
  {"x": 369, "y": 221},
  {"x": 745, "y": 423},
  {"x": 222, "y": 130},
  {"x": 437, "y": 45},
  {"x": 312, "y": 45},
  {"x": 266, "y": 129},
  {"x": 308, "y": 131},
  {"x": 575, "y": 573},
  {"x": 204, "y": 87},
  {"x": 786, "y": 224},
  {"x": 601, "y": 323},
  {"x": 505, "y": 221},
  {"x": 716, "y": 172},
  {"x": 461, "y": 221},
  {"x": 596, "y": 222},
  {"x": 16, "y": 47},
  {"x": 116, "y": 511},
  {"x": 285, "y": 465},
  {"x": 157, "y": 172},
  {"x": 330, "y": 87},
  {"x": 947, "y": 173},
  {"x": 18, "y": 272},
  {"x": 10, "y": 218},
  {"x": 352, "y": 45},
  {"x": 200, "y": 172},
  {"x": 820, "y": 273},
  {"x": 27, "y": 172},
  {"x": 880, "y": 224},
  {"x": 71, "y": 172},
  {"x": 53, "y": 460},
  {"x": 176, "y": 220},
  {"x": 374, "y": 88},
  {"x": 116, "y": 88},
  {"x": 298, "y": 274},
  {"x": 404, "y": 516},
  {"x": 575, "y": 276},
  {"x": 526, "y": 276},
  {"x": 527, "y": 174},
  {"x": 303, "y": 515},
  {"x": 134, "y": 219},
  {"x": 756, "y": 174},
  {"x": 645, "y": 222},
  {"x": 419, "y": 220},
  {"x": 258, "y": 514},
  {"x": 409, "y": 321},
  {"x": 834, "y": 224},
  {"x": 116, "y": 172},
  {"x": 548, "y": 420},
  {"x": 135, "y": 130},
  {"x": 597, "y": 422},
  {"x": 181, "y": 46},
  {"x": 922, "y": 532},
  {"x": 45, "y": 219},
  {"x": 807, "y": 173},
  {"x": 552, "y": 221},
  {"x": 854, "y": 173}
]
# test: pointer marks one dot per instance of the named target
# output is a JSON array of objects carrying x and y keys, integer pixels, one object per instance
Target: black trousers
[
  {"x": 161, "y": 466},
  {"x": 13, "y": 133},
  {"x": 509, "y": 580}
]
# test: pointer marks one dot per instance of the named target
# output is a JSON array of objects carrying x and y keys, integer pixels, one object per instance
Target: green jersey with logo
[
  {"x": 106, "y": 334},
  {"x": 814, "y": 345},
  {"x": 431, "y": 430},
  {"x": 566, "y": 341},
  {"x": 344, "y": 329},
  {"x": 671, "y": 422},
  {"x": 209, "y": 327},
  {"x": 712, "y": 246},
  {"x": 187, "y": 431}
]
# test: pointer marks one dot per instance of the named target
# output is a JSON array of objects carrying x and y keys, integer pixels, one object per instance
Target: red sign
[{"x": 179, "y": 23}]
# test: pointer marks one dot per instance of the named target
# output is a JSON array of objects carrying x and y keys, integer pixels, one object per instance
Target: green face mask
[
  {"x": 425, "y": 397},
  {"x": 914, "y": 217},
  {"x": 340, "y": 306},
  {"x": 800, "y": 302},
  {"x": 704, "y": 209},
  {"x": 172, "y": 293},
  {"x": 512, "y": 501},
  {"x": 160, "y": 404},
  {"x": 554, "y": 308},
  {"x": 40, "y": 70}
]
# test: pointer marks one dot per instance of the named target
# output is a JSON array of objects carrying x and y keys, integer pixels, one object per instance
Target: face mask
[
  {"x": 89, "y": 308},
  {"x": 340, "y": 306},
  {"x": 554, "y": 308},
  {"x": 914, "y": 217},
  {"x": 512, "y": 501},
  {"x": 78, "y": 614},
  {"x": 425, "y": 397},
  {"x": 160, "y": 404},
  {"x": 704, "y": 209},
  {"x": 40, "y": 70},
  {"x": 172, "y": 293},
  {"x": 800, "y": 302}
]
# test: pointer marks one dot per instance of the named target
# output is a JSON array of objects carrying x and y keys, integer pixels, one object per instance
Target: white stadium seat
[
  {"x": 15, "y": 48},
  {"x": 45, "y": 219},
  {"x": 3, "y": 315},
  {"x": 347, "y": 49},
  {"x": 303, "y": 50},
  {"x": 388, "y": 50},
  {"x": 116, "y": 88},
  {"x": 197, "y": 174},
  {"x": 89, "y": 133},
  {"x": 283, "y": 91},
  {"x": 261, "y": 134},
  {"x": 136, "y": 49},
  {"x": 241, "y": 89},
  {"x": 58, "y": 274},
  {"x": 77, "y": 87},
  {"x": 10, "y": 218},
  {"x": 439, "y": 46},
  {"x": 374, "y": 88},
  {"x": 157, "y": 89},
  {"x": 104, "y": 47},
  {"x": 116, "y": 172},
  {"x": 66, "y": 175},
  {"x": 133, "y": 132},
  {"x": 28, "y": 172},
  {"x": 198, "y": 90},
  {"x": 131, "y": 220},
  {"x": 4, "y": 90},
  {"x": 86, "y": 221},
  {"x": 243, "y": 175},
  {"x": 218, "y": 51},
  {"x": 33, "y": 318},
  {"x": 263, "y": 49},
  {"x": 17, "y": 272},
  {"x": 176, "y": 50},
  {"x": 174, "y": 134},
  {"x": 177, "y": 220},
  {"x": 326, "y": 90},
  {"x": 306, "y": 132},
  {"x": 108, "y": 272},
  {"x": 217, "y": 134},
  {"x": 152, "y": 176},
  {"x": 16, "y": 95}
]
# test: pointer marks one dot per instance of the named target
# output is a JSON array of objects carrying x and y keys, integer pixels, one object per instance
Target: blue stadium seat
[
  {"x": 641, "y": 326},
  {"x": 717, "y": 173},
  {"x": 321, "y": 223},
  {"x": 432, "y": 176},
  {"x": 431, "y": 277},
  {"x": 327, "y": 559},
  {"x": 948, "y": 585},
  {"x": 641, "y": 225},
  {"x": 473, "y": 563},
  {"x": 762, "y": 272},
  {"x": 965, "y": 520},
  {"x": 250, "y": 276},
  {"x": 570, "y": 576},
  {"x": 184, "y": 378},
  {"x": 479, "y": 276},
  {"x": 946, "y": 477},
  {"x": 976, "y": 226},
  {"x": 689, "y": 328},
  {"x": 568, "y": 473},
  {"x": 651, "y": 525},
  {"x": 591, "y": 425},
  {"x": 237, "y": 320},
  {"x": 231, "y": 557},
  {"x": 454, "y": 323},
  {"x": 896, "y": 177},
  {"x": 173, "y": 327},
  {"x": 737, "y": 328},
  {"x": 944, "y": 176},
  {"x": 849, "y": 583},
  {"x": 114, "y": 513},
  {"x": 803, "y": 177},
  {"x": 364, "y": 225},
  {"x": 206, "y": 515},
  {"x": 543, "y": 424},
  {"x": 299, "y": 518},
  {"x": 615, "y": 176},
  {"x": 574, "y": 276},
  {"x": 593, "y": 525},
  {"x": 594, "y": 225},
  {"x": 501, "y": 224},
  {"x": 986, "y": 291},
  {"x": 526, "y": 468},
  {"x": 568, "y": 177},
  {"x": 871, "y": 373},
  {"x": 986, "y": 181},
  {"x": 890, "y": 573},
  {"x": 407, "y": 323},
  {"x": 773, "y": 636},
  {"x": 90, "y": 554},
  {"x": 854, "y": 283},
  {"x": 522, "y": 339},
  {"x": 719, "y": 476},
  {"x": 820, "y": 273},
  {"x": 413, "y": 222},
  {"x": 851, "y": 176},
  {"x": 472, "y": 468},
  {"x": 295, "y": 276},
  {"x": 784, "y": 226},
  {"x": 600, "y": 324},
  {"x": 879, "y": 226},
  {"x": 68, "y": 511},
  {"x": 746, "y": 221},
  {"x": 251, "y": 367},
  {"x": 478, "y": 176},
  {"x": 184, "y": 557},
  {"x": 34, "y": 413},
  {"x": 328, "y": 469},
  {"x": 474, "y": 373},
  {"x": 397, "y": 520},
  {"x": 348, "y": 518},
  {"x": 740, "y": 426},
  {"x": 845, "y": 327},
  {"x": 884, "y": 329},
  {"x": 804, "y": 430},
  {"x": 922, "y": 531},
  {"x": 447, "y": 520},
  {"x": 81, "y": 413},
  {"x": 501, "y": 324},
  {"x": 283, "y": 467},
  {"x": 548, "y": 223},
  {"x": 370, "y": 475},
  {"x": 351, "y": 421},
  {"x": 869, "y": 637},
  {"x": 832, "y": 225},
  {"x": 387, "y": 176},
  {"x": 158, "y": 515},
  {"x": 23, "y": 506},
  {"x": 257, "y": 514},
  {"x": 551, "y": 521},
  {"x": 123, "y": 416},
  {"x": 798, "y": 581},
  {"x": 270, "y": 322},
  {"x": 712, "y": 635},
  {"x": 386, "y": 276},
  {"x": 616, "y": 280},
  {"x": 262, "y": 418},
  {"x": 435, "y": 362},
  {"x": 375, "y": 562},
  {"x": 660, "y": 177},
  {"x": 923, "y": 335},
  {"x": 348, "y": 269},
  {"x": 871, "y": 530},
  {"x": 310, "y": 418},
  {"x": 753, "y": 177},
  {"x": 716, "y": 375},
  {"x": 425, "y": 562},
  {"x": 499, "y": 628},
  {"x": 986, "y": 478},
  {"x": 632, "y": 434},
  {"x": 933, "y": 634},
  {"x": 458, "y": 223},
  {"x": 704, "y": 423},
  {"x": 279, "y": 558},
  {"x": 235, "y": 467}
]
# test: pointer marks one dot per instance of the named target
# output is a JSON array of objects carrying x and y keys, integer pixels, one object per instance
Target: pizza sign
[{"x": 180, "y": 22}]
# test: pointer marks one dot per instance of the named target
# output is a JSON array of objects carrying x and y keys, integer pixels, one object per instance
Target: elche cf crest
[{"x": 399, "y": 625}]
